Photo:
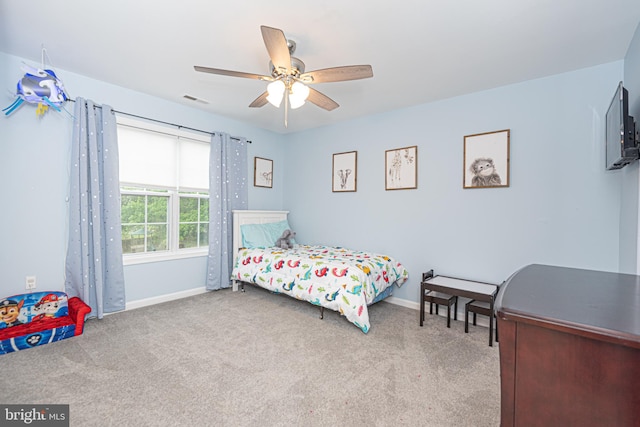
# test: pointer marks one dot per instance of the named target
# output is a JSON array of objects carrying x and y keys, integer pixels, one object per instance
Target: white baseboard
[
  {"x": 403, "y": 302},
  {"x": 480, "y": 320},
  {"x": 164, "y": 298}
]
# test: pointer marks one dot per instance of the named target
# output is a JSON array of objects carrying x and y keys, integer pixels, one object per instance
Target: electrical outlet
[{"x": 31, "y": 282}]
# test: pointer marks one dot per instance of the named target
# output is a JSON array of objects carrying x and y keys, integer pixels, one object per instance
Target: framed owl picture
[{"x": 486, "y": 160}]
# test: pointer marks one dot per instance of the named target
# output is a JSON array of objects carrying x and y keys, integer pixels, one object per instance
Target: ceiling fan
[{"x": 288, "y": 76}]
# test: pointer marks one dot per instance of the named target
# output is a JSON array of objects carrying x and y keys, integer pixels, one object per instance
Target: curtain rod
[{"x": 163, "y": 122}]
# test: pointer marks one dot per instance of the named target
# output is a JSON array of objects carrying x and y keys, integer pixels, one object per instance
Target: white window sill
[{"x": 132, "y": 259}]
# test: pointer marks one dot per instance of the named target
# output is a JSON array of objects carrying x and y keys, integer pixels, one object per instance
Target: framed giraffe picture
[{"x": 401, "y": 168}]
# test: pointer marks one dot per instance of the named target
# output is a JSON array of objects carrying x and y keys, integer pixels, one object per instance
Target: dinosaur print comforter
[{"x": 336, "y": 278}]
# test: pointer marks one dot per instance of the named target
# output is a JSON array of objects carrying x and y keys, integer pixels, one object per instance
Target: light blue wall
[
  {"x": 632, "y": 75},
  {"x": 562, "y": 207},
  {"x": 34, "y": 170},
  {"x": 630, "y": 175}
]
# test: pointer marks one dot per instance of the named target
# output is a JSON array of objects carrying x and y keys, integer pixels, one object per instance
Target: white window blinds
[
  {"x": 166, "y": 158},
  {"x": 193, "y": 170}
]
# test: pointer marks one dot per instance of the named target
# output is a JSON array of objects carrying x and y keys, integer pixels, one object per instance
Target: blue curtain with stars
[
  {"x": 94, "y": 269},
  {"x": 228, "y": 190}
]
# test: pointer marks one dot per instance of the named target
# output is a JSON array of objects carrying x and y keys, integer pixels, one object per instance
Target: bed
[{"x": 340, "y": 279}]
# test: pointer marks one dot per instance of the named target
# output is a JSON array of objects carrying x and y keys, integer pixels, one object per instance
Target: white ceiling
[{"x": 420, "y": 50}]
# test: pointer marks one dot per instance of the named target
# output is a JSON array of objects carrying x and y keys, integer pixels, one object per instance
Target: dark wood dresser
[{"x": 569, "y": 348}]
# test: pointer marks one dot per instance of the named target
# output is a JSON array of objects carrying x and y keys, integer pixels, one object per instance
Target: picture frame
[
  {"x": 262, "y": 172},
  {"x": 401, "y": 168},
  {"x": 486, "y": 160},
  {"x": 344, "y": 172}
]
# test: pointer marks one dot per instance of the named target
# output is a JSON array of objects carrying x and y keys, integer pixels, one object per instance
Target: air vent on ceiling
[{"x": 193, "y": 98}]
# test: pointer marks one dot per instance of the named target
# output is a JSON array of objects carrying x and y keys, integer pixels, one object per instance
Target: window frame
[
  {"x": 174, "y": 194},
  {"x": 147, "y": 192},
  {"x": 199, "y": 196}
]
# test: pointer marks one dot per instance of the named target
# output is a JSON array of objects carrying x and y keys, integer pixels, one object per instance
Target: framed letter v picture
[{"x": 262, "y": 172}]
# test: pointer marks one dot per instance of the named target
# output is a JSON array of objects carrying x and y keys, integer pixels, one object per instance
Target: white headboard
[{"x": 242, "y": 217}]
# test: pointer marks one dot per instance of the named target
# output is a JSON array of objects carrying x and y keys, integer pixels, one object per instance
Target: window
[
  {"x": 145, "y": 220},
  {"x": 164, "y": 186},
  {"x": 194, "y": 221}
]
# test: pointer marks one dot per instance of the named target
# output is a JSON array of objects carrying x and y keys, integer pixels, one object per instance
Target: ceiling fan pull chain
[{"x": 286, "y": 109}]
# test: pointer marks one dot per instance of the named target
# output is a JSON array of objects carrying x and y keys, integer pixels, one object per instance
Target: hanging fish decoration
[{"x": 39, "y": 86}]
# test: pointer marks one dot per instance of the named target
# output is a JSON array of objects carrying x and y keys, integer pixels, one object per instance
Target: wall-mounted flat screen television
[{"x": 621, "y": 143}]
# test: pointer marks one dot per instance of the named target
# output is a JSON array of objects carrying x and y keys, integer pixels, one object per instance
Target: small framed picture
[
  {"x": 345, "y": 172},
  {"x": 401, "y": 168},
  {"x": 262, "y": 172},
  {"x": 486, "y": 160}
]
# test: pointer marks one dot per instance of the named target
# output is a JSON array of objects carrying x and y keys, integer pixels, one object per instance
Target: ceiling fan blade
[
  {"x": 260, "y": 101},
  {"x": 338, "y": 74},
  {"x": 321, "y": 100},
  {"x": 231, "y": 73},
  {"x": 276, "y": 44}
]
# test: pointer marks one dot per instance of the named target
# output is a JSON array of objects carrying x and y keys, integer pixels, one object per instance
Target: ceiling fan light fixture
[
  {"x": 298, "y": 94},
  {"x": 276, "y": 93},
  {"x": 288, "y": 74}
]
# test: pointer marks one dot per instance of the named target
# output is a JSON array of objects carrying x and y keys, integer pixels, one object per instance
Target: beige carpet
[{"x": 260, "y": 359}]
